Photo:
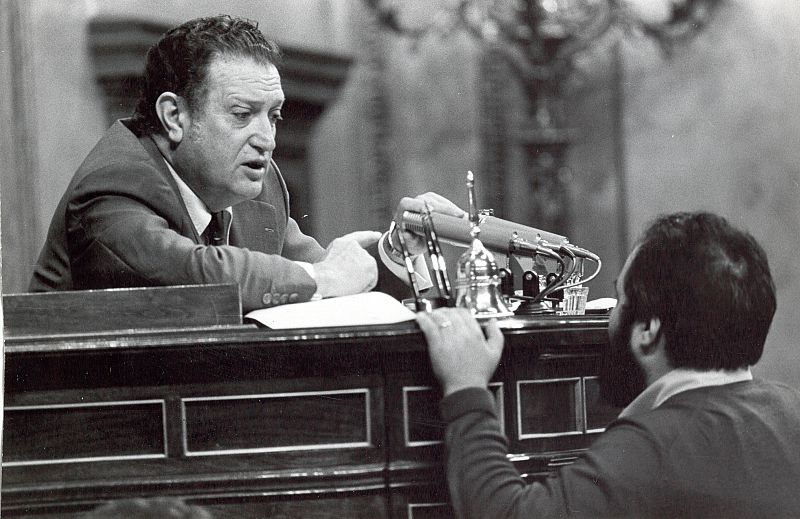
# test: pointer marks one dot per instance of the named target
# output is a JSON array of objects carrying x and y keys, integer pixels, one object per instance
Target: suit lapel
[
  {"x": 182, "y": 219},
  {"x": 255, "y": 226}
]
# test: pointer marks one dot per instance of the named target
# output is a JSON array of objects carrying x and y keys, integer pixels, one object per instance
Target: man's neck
[{"x": 164, "y": 146}]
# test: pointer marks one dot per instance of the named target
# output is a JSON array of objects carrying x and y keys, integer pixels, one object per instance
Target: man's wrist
[
  {"x": 454, "y": 387},
  {"x": 465, "y": 401}
]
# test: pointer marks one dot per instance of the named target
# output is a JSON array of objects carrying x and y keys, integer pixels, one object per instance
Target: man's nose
[{"x": 263, "y": 137}]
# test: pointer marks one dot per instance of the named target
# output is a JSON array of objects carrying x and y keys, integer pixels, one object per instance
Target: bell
[
  {"x": 478, "y": 283},
  {"x": 477, "y": 276}
]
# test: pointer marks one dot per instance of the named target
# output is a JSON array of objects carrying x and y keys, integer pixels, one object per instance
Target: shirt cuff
[
  {"x": 309, "y": 268},
  {"x": 465, "y": 401},
  {"x": 395, "y": 263}
]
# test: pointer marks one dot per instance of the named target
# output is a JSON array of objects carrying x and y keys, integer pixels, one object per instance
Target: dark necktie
[{"x": 217, "y": 231}]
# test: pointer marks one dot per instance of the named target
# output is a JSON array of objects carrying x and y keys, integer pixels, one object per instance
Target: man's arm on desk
[
  {"x": 120, "y": 243},
  {"x": 116, "y": 240}
]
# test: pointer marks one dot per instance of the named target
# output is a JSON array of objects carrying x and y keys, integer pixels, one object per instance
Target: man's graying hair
[
  {"x": 709, "y": 283},
  {"x": 179, "y": 62}
]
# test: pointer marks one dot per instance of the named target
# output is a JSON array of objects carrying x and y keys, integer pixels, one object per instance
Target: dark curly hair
[
  {"x": 179, "y": 62},
  {"x": 709, "y": 283}
]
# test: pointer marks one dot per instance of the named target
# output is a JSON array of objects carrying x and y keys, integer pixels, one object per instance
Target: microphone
[{"x": 496, "y": 234}]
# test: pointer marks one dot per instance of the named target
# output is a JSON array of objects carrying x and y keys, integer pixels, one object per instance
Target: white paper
[
  {"x": 355, "y": 310},
  {"x": 604, "y": 303}
]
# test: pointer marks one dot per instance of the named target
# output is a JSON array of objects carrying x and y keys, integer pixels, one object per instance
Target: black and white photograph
[{"x": 400, "y": 259}]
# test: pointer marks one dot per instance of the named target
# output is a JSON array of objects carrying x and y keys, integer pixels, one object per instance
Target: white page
[{"x": 354, "y": 310}]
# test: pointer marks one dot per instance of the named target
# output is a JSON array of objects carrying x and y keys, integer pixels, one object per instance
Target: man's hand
[
  {"x": 460, "y": 354},
  {"x": 437, "y": 204},
  {"x": 347, "y": 268}
]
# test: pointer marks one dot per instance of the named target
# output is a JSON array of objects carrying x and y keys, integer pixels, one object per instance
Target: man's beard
[{"x": 621, "y": 378}]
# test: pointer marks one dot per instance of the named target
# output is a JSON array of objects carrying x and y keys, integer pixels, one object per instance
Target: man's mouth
[{"x": 256, "y": 165}]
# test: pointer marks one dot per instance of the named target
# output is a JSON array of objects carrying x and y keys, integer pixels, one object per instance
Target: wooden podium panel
[
  {"x": 82, "y": 311},
  {"x": 249, "y": 422}
]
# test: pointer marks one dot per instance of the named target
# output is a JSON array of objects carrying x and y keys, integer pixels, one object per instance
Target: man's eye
[
  {"x": 277, "y": 117},
  {"x": 242, "y": 116}
]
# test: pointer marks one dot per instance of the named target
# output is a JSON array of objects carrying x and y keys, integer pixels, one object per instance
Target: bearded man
[{"x": 699, "y": 436}]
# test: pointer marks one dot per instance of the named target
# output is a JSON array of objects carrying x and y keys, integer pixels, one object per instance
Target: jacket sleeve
[
  {"x": 300, "y": 247},
  {"x": 615, "y": 477},
  {"x": 119, "y": 238}
]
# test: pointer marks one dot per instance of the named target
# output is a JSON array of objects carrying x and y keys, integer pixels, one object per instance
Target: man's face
[
  {"x": 621, "y": 377},
  {"x": 230, "y": 136}
]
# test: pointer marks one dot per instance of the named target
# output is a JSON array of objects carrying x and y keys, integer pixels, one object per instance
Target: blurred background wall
[{"x": 715, "y": 126}]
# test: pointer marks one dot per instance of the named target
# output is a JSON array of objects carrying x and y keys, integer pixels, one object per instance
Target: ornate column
[{"x": 18, "y": 161}]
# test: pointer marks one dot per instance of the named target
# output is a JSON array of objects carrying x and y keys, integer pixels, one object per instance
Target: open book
[{"x": 358, "y": 309}]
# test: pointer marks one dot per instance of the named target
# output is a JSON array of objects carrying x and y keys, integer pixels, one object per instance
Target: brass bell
[{"x": 477, "y": 275}]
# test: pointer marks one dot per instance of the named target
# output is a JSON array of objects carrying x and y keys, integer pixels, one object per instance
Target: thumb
[{"x": 363, "y": 238}]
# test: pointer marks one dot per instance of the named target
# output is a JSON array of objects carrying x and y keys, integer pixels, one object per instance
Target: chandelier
[{"x": 539, "y": 38}]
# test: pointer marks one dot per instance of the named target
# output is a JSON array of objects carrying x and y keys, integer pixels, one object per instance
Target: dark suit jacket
[
  {"x": 123, "y": 223},
  {"x": 719, "y": 452}
]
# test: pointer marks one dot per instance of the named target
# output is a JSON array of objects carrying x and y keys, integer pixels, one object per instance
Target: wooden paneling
[
  {"x": 277, "y": 422},
  {"x": 339, "y": 422},
  {"x": 550, "y": 407},
  {"x": 84, "y": 311},
  {"x": 75, "y": 433}
]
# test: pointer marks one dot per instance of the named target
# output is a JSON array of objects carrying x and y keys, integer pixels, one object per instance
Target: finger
[
  {"x": 364, "y": 238},
  {"x": 427, "y": 324},
  {"x": 494, "y": 336},
  {"x": 442, "y": 205},
  {"x": 414, "y": 205},
  {"x": 466, "y": 320},
  {"x": 435, "y": 201}
]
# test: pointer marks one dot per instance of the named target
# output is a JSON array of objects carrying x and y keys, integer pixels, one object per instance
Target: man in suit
[
  {"x": 186, "y": 191},
  {"x": 699, "y": 436}
]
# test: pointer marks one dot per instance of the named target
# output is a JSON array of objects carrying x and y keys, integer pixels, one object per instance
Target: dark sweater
[{"x": 722, "y": 452}]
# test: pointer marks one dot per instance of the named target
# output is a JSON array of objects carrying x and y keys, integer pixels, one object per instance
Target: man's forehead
[{"x": 230, "y": 70}]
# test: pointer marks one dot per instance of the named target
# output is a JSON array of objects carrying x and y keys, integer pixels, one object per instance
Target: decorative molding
[
  {"x": 103, "y": 424},
  {"x": 574, "y": 392},
  {"x": 260, "y": 443},
  {"x": 410, "y": 414}
]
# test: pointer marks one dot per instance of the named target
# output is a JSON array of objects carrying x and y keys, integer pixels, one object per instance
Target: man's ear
[
  {"x": 170, "y": 109},
  {"x": 646, "y": 334}
]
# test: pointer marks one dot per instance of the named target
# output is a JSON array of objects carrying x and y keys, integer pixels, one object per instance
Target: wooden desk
[{"x": 337, "y": 422}]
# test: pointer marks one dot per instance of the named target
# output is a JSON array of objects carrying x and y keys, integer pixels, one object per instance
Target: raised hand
[{"x": 461, "y": 356}]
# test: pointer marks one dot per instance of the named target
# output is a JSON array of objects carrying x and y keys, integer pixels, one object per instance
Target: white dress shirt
[
  {"x": 201, "y": 216},
  {"x": 679, "y": 380}
]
